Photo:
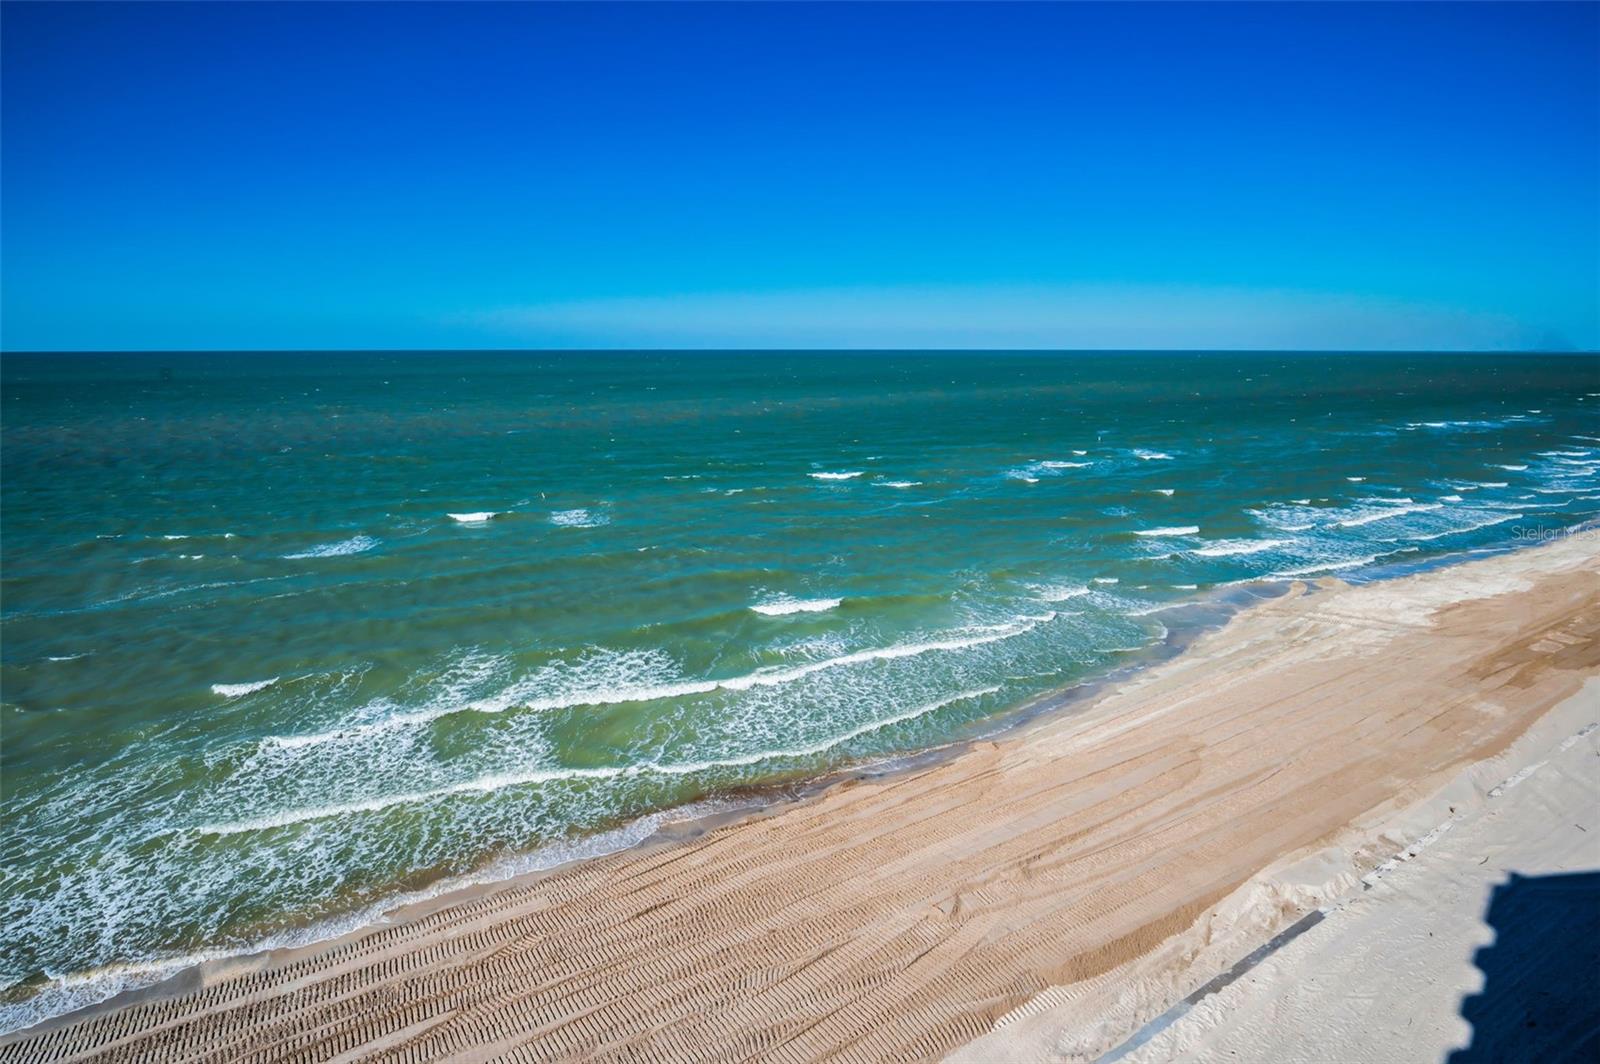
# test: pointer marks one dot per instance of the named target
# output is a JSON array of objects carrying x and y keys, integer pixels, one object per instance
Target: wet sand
[{"x": 1042, "y": 897}]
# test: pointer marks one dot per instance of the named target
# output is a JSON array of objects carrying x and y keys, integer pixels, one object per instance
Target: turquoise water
[{"x": 288, "y": 636}]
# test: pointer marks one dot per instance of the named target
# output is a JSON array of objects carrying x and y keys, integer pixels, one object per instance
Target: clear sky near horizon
[{"x": 236, "y": 176}]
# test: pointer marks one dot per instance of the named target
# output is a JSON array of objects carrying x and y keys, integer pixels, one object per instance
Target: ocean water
[{"x": 288, "y": 637}]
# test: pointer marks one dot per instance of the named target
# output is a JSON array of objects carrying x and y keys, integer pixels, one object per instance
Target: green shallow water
[{"x": 257, "y": 679}]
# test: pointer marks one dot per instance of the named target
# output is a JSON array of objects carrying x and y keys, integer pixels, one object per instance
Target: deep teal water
[{"x": 257, "y": 679}]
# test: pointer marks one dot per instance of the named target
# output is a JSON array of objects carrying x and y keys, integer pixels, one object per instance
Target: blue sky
[{"x": 232, "y": 176}]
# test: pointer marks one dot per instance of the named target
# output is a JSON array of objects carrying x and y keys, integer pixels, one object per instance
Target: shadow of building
[{"x": 1541, "y": 995}]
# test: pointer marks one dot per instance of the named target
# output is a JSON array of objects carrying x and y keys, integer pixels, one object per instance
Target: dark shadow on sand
[{"x": 1541, "y": 994}]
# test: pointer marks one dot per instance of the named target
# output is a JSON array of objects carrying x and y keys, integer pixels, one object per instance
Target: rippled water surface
[{"x": 285, "y": 636}]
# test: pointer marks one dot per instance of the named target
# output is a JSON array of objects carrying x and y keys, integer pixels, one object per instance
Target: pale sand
[
  {"x": 1385, "y": 976},
  {"x": 1068, "y": 885}
]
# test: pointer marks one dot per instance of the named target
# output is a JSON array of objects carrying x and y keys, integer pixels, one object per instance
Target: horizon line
[{"x": 799, "y": 350}]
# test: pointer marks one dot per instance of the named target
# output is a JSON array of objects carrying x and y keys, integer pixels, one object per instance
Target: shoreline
[
  {"x": 161, "y": 977},
  {"x": 677, "y": 837},
  {"x": 669, "y": 826}
]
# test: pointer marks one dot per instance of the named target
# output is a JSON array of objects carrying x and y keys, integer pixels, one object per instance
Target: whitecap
[
  {"x": 897, "y": 483},
  {"x": 1511, "y": 468},
  {"x": 1060, "y": 592},
  {"x": 353, "y": 545},
  {"x": 519, "y": 698},
  {"x": 477, "y": 517},
  {"x": 238, "y": 690},
  {"x": 835, "y": 476},
  {"x": 578, "y": 519},
  {"x": 1151, "y": 456},
  {"x": 1468, "y": 528},
  {"x": 492, "y": 782},
  {"x": 1384, "y": 515},
  {"x": 1227, "y": 547},
  {"x": 782, "y": 607},
  {"x": 1104, "y": 580},
  {"x": 1162, "y": 491},
  {"x": 1327, "y": 566},
  {"x": 1055, "y": 464},
  {"x": 1355, "y": 480},
  {"x": 1449, "y": 498},
  {"x": 1178, "y": 530}
]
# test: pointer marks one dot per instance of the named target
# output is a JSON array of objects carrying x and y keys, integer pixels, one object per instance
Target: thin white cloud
[{"x": 1038, "y": 316}]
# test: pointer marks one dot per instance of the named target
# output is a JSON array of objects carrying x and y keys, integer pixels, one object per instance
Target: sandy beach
[{"x": 1041, "y": 897}]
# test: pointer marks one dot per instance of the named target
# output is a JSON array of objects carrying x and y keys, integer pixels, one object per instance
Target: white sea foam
[
  {"x": 184, "y": 536},
  {"x": 1468, "y": 528},
  {"x": 1384, "y": 515},
  {"x": 1162, "y": 491},
  {"x": 1512, "y": 468},
  {"x": 528, "y": 697},
  {"x": 477, "y": 517},
  {"x": 1104, "y": 580},
  {"x": 1223, "y": 548},
  {"x": 1178, "y": 530},
  {"x": 499, "y": 781},
  {"x": 1449, "y": 498},
  {"x": 238, "y": 690},
  {"x": 1080, "y": 454},
  {"x": 784, "y": 606},
  {"x": 1060, "y": 592},
  {"x": 73, "y": 990},
  {"x": 1323, "y": 567},
  {"x": 578, "y": 519},
  {"x": 835, "y": 476},
  {"x": 1064, "y": 465},
  {"x": 1355, "y": 480},
  {"x": 897, "y": 483},
  {"x": 1151, "y": 456},
  {"x": 353, "y": 545},
  {"x": 812, "y": 749}
]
